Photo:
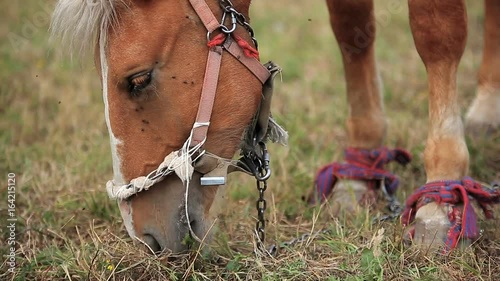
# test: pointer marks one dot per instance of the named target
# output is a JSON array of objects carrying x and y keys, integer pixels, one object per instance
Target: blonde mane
[{"x": 77, "y": 22}]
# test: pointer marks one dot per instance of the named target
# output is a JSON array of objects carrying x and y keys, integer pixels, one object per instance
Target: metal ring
[{"x": 265, "y": 176}]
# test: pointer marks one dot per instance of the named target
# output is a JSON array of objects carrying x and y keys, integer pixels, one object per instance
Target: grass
[{"x": 53, "y": 137}]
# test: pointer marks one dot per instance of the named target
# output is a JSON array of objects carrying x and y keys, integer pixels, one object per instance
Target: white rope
[
  {"x": 142, "y": 183},
  {"x": 187, "y": 164},
  {"x": 178, "y": 162}
]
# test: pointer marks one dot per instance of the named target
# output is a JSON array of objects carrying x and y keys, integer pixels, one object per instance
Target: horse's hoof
[
  {"x": 432, "y": 226},
  {"x": 350, "y": 197},
  {"x": 482, "y": 118}
]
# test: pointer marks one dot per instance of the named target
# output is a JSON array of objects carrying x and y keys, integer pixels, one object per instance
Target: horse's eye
[{"x": 139, "y": 82}]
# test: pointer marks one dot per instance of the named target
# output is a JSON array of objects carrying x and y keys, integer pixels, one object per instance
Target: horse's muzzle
[{"x": 159, "y": 218}]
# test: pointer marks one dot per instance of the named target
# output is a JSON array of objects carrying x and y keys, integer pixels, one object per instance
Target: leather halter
[
  {"x": 254, "y": 160},
  {"x": 213, "y": 68}
]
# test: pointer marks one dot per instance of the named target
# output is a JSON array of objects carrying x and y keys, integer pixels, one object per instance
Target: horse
[{"x": 184, "y": 91}]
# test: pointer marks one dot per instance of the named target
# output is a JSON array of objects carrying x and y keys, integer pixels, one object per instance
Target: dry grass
[{"x": 54, "y": 138}]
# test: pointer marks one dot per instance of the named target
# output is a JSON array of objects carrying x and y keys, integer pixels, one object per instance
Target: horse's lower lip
[
  {"x": 157, "y": 245},
  {"x": 152, "y": 243}
]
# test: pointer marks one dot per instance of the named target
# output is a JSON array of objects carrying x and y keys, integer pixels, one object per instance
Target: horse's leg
[
  {"x": 484, "y": 111},
  {"x": 354, "y": 26},
  {"x": 439, "y": 30},
  {"x": 353, "y": 23}
]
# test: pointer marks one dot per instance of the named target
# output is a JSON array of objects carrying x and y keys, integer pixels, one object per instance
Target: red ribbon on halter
[
  {"x": 248, "y": 50},
  {"x": 218, "y": 40}
]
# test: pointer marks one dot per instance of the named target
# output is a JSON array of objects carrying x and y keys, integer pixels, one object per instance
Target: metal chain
[
  {"x": 262, "y": 173},
  {"x": 273, "y": 250},
  {"x": 393, "y": 206},
  {"x": 256, "y": 160},
  {"x": 261, "y": 206},
  {"x": 236, "y": 17}
]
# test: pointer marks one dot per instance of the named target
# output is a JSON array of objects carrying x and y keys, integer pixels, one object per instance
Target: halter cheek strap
[
  {"x": 205, "y": 14},
  {"x": 200, "y": 128},
  {"x": 207, "y": 99}
]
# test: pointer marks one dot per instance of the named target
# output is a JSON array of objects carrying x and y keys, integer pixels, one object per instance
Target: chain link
[
  {"x": 257, "y": 161},
  {"x": 261, "y": 206},
  {"x": 262, "y": 172},
  {"x": 393, "y": 206},
  {"x": 228, "y": 9},
  {"x": 273, "y": 250}
]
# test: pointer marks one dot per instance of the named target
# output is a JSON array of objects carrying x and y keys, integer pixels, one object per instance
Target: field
[{"x": 54, "y": 139}]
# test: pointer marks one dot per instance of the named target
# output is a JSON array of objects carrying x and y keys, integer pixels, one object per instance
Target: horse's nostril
[{"x": 152, "y": 243}]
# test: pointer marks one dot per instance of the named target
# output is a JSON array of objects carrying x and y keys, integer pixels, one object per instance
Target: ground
[{"x": 53, "y": 138}]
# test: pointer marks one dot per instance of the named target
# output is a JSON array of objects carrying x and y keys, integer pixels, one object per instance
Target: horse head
[{"x": 165, "y": 139}]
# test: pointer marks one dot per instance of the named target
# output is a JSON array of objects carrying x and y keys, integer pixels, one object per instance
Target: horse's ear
[{"x": 266, "y": 128}]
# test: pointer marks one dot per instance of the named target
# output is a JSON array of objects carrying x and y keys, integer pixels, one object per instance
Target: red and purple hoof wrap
[
  {"x": 463, "y": 221},
  {"x": 362, "y": 164}
]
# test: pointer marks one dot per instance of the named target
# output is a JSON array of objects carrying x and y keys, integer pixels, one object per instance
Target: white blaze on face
[{"x": 118, "y": 179}]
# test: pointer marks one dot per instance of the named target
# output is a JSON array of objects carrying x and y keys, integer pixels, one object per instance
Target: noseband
[{"x": 192, "y": 157}]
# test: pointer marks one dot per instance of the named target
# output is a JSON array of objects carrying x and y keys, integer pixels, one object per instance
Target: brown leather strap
[
  {"x": 252, "y": 64},
  {"x": 205, "y": 14},
  {"x": 212, "y": 70},
  {"x": 207, "y": 95},
  {"x": 264, "y": 113}
]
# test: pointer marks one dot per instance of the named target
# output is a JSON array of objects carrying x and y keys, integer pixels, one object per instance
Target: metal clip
[
  {"x": 208, "y": 181},
  {"x": 264, "y": 164},
  {"x": 224, "y": 28}
]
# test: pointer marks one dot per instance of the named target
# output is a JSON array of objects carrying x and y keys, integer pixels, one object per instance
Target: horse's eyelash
[{"x": 138, "y": 83}]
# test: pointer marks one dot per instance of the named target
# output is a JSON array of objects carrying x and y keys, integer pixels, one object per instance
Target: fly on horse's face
[{"x": 151, "y": 58}]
